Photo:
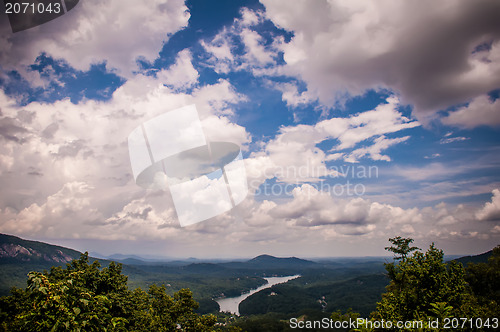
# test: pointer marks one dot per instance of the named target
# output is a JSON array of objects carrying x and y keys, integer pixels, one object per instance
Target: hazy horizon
[{"x": 152, "y": 256}]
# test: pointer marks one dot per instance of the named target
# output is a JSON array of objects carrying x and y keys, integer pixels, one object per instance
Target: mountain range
[
  {"x": 364, "y": 278},
  {"x": 17, "y": 250}
]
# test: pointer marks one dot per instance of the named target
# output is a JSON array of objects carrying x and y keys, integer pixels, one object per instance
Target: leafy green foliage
[
  {"x": 401, "y": 247},
  {"x": 423, "y": 287},
  {"x": 420, "y": 281},
  {"x": 271, "y": 322},
  {"x": 348, "y": 316},
  {"x": 83, "y": 297},
  {"x": 484, "y": 279}
]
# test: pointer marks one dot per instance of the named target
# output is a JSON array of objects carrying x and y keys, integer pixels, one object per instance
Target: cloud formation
[
  {"x": 293, "y": 155},
  {"x": 481, "y": 111},
  {"x": 64, "y": 164},
  {"x": 490, "y": 210},
  {"x": 117, "y": 32},
  {"x": 65, "y": 167},
  {"x": 343, "y": 48},
  {"x": 240, "y": 47}
]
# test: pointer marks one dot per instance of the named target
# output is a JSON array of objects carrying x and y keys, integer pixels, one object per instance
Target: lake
[{"x": 231, "y": 304}]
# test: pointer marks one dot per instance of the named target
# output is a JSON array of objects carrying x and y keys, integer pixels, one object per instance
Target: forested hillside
[{"x": 83, "y": 295}]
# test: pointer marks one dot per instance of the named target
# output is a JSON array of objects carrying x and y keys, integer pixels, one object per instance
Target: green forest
[{"x": 416, "y": 286}]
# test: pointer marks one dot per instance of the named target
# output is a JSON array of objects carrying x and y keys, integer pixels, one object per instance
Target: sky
[{"x": 358, "y": 121}]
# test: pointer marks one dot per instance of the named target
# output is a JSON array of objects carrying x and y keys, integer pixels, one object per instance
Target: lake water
[{"x": 231, "y": 304}]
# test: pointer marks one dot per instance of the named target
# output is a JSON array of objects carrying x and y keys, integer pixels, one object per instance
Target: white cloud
[
  {"x": 59, "y": 214},
  {"x": 46, "y": 147},
  {"x": 384, "y": 119},
  {"x": 250, "y": 17},
  {"x": 220, "y": 48},
  {"x": 292, "y": 96},
  {"x": 181, "y": 75},
  {"x": 257, "y": 55},
  {"x": 117, "y": 32},
  {"x": 217, "y": 98},
  {"x": 490, "y": 210},
  {"x": 480, "y": 111},
  {"x": 343, "y": 48},
  {"x": 312, "y": 208},
  {"x": 65, "y": 171},
  {"x": 433, "y": 156},
  {"x": 453, "y": 139},
  {"x": 373, "y": 151},
  {"x": 430, "y": 171},
  {"x": 149, "y": 217},
  {"x": 292, "y": 156}
]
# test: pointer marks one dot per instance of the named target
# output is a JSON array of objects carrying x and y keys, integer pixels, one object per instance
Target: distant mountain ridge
[
  {"x": 481, "y": 258},
  {"x": 286, "y": 261},
  {"x": 16, "y": 250}
]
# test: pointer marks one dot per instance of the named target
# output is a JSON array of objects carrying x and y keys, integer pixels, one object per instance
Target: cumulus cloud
[
  {"x": 480, "y": 111},
  {"x": 181, "y": 75},
  {"x": 222, "y": 59},
  {"x": 152, "y": 216},
  {"x": 117, "y": 32},
  {"x": 75, "y": 156},
  {"x": 65, "y": 170},
  {"x": 291, "y": 95},
  {"x": 322, "y": 212},
  {"x": 293, "y": 155},
  {"x": 59, "y": 214},
  {"x": 343, "y": 48},
  {"x": 257, "y": 54},
  {"x": 310, "y": 207},
  {"x": 373, "y": 151},
  {"x": 12, "y": 130},
  {"x": 490, "y": 210}
]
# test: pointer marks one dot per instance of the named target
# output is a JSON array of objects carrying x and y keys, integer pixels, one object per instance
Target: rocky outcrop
[{"x": 27, "y": 254}]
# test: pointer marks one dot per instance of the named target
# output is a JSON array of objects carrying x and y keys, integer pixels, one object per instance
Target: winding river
[{"x": 231, "y": 304}]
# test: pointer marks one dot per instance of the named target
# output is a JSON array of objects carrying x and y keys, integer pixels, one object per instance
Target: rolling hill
[{"x": 481, "y": 258}]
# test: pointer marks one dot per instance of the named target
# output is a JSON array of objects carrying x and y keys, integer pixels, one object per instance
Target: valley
[{"x": 262, "y": 291}]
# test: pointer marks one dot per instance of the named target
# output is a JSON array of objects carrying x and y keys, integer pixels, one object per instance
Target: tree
[
  {"x": 84, "y": 297},
  {"x": 484, "y": 279},
  {"x": 423, "y": 287},
  {"x": 401, "y": 247}
]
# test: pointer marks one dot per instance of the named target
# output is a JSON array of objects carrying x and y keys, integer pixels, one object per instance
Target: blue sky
[{"x": 358, "y": 121}]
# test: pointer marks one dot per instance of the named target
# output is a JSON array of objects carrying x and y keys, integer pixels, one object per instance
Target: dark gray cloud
[
  {"x": 71, "y": 149},
  {"x": 435, "y": 55},
  {"x": 11, "y": 130},
  {"x": 50, "y": 130},
  {"x": 432, "y": 62},
  {"x": 83, "y": 37}
]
